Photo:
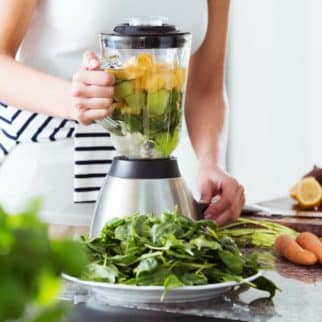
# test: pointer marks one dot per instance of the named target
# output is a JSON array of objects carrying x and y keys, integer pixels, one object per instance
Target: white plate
[{"x": 120, "y": 293}]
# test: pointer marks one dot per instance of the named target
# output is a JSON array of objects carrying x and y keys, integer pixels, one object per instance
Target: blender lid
[{"x": 145, "y": 32}]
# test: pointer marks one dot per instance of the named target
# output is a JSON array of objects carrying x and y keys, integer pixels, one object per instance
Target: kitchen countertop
[
  {"x": 285, "y": 211},
  {"x": 300, "y": 299}
]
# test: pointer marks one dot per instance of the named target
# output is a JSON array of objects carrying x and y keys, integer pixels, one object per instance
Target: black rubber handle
[{"x": 200, "y": 209}]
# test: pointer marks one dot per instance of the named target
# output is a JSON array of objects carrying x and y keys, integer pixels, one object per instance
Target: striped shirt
[
  {"x": 93, "y": 153},
  {"x": 93, "y": 149}
]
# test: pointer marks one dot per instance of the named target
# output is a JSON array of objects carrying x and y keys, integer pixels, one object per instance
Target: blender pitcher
[{"x": 149, "y": 60}]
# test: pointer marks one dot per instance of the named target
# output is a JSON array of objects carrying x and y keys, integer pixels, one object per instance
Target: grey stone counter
[{"x": 300, "y": 299}]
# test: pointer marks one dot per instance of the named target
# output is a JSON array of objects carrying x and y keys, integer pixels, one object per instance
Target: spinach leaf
[
  {"x": 264, "y": 284},
  {"x": 233, "y": 262},
  {"x": 101, "y": 273},
  {"x": 194, "y": 279},
  {"x": 203, "y": 242},
  {"x": 146, "y": 265},
  {"x": 156, "y": 277},
  {"x": 172, "y": 281},
  {"x": 123, "y": 260}
]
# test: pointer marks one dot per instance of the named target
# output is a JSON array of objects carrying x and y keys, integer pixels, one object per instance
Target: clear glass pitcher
[{"x": 149, "y": 60}]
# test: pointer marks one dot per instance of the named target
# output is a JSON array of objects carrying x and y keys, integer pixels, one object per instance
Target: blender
[{"x": 149, "y": 60}]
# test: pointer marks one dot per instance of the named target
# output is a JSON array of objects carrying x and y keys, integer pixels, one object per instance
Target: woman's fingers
[
  {"x": 91, "y": 103},
  {"x": 88, "y": 91},
  {"x": 87, "y": 117},
  {"x": 92, "y": 91},
  {"x": 94, "y": 77},
  {"x": 227, "y": 198},
  {"x": 229, "y": 215},
  {"x": 228, "y": 207},
  {"x": 206, "y": 190},
  {"x": 217, "y": 208},
  {"x": 90, "y": 61}
]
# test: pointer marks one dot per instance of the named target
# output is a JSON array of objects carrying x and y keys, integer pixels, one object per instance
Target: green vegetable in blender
[
  {"x": 123, "y": 89},
  {"x": 134, "y": 123},
  {"x": 172, "y": 114},
  {"x": 158, "y": 101},
  {"x": 171, "y": 251},
  {"x": 135, "y": 102},
  {"x": 166, "y": 143},
  {"x": 157, "y": 126}
]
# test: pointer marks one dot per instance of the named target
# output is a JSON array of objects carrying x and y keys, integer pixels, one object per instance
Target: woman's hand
[
  {"x": 92, "y": 91},
  {"x": 228, "y": 194}
]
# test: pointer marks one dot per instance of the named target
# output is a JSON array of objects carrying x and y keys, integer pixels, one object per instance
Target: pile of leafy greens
[
  {"x": 170, "y": 250},
  {"x": 31, "y": 265}
]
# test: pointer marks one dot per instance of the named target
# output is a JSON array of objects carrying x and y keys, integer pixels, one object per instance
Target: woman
[{"x": 42, "y": 43}]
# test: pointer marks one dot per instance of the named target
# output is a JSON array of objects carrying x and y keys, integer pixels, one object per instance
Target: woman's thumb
[{"x": 90, "y": 61}]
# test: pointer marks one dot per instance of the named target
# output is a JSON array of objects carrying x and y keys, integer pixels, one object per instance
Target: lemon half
[{"x": 308, "y": 192}]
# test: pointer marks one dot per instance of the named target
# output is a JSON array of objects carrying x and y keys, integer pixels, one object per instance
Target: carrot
[
  {"x": 311, "y": 243},
  {"x": 290, "y": 249}
]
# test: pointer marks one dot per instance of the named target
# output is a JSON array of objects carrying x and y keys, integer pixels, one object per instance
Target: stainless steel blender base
[
  {"x": 145, "y": 186},
  {"x": 121, "y": 197}
]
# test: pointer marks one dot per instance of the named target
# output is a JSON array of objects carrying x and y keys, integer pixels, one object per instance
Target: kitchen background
[{"x": 274, "y": 87}]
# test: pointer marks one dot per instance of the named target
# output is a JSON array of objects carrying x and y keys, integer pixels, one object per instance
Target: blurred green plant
[{"x": 31, "y": 265}]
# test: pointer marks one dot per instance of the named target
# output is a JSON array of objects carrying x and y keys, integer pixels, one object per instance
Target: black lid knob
[{"x": 145, "y": 25}]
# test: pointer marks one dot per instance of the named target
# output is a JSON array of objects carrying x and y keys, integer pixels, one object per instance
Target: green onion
[{"x": 258, "y": 233}]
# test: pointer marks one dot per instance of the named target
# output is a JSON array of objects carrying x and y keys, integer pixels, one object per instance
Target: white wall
[
  {"x": 314, "y": 84},
  {"x": 274, "y": 85}
]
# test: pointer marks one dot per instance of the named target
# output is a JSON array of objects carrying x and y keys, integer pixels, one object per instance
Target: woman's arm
[
  {"x": 205, "y": 113},
  {"x": 205, "y": 106},
  {"x": 39, "y": 92}
]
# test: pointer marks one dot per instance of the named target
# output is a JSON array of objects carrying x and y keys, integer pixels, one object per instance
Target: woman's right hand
[{"x": 92, "y": 91}]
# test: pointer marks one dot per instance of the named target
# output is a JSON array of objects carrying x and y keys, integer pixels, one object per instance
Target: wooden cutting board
[{"x": 284, "y": 211}]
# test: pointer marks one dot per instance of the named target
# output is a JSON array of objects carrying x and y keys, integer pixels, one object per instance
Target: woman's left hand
[{"x": 228, "y": 193}]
